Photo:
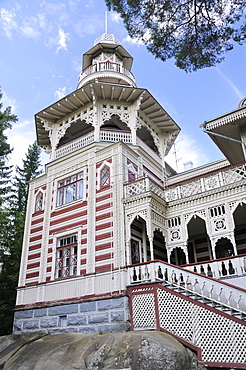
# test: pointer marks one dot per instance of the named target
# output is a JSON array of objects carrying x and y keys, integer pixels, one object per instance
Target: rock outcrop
[{"x": 64, "y": 351}]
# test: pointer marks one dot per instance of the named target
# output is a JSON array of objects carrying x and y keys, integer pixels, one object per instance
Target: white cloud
[
  {"x": 8, "y": 23},
  {"x": 52, "y": 8},
  {"x": 29, "y": 31},
  {"x": 115, "y": 17},
  {"x": 76, "y": 63},
  {"x": 90, "y": 4},
  {"x": 8, "y": 101},
  {"x": 62, "y": 40},
  {"x": 134, "y": 40},
  {"x": 186, "y": 149},
  {"x": 89, "y": 25},
  {"x": 42, "y": 21},
  {"x": 234, "y": 87},
  {"x": 60, "y": 93}
]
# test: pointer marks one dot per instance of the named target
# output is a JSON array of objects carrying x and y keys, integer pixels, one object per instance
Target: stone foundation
[{"x": 101, "y": 316}]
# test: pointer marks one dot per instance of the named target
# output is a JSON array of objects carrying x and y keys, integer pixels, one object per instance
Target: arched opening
[
  {"x": 177, "y": 257},
  {"x": 159, "y": 245},
  {"x": 223, "y": 248},
  {"x": 115, "y": 124},
  {"x": 139, "y": 243},
  {"x": 199, "y": 248},
  {"x": 240, "y": 228},
  {"x": 76, "y": 130},
  {"x": 146, "y": 136}
]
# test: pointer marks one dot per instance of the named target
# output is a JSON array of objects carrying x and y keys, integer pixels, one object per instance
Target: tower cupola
[{"x": 107, "y": 61}]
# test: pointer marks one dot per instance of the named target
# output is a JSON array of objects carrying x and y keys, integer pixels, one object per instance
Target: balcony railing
[
  {"x": 222, "y": 178},
  {"x": 210, "y": 288},
  {"x": 233, "y": 266},
  {"x": 142, "y": 185},
  {"x": 75, "y": 145},
  {"x": 104, "y": 135},
  {"x": 106, "y": 66},
  {"x": 214, "y": 181}
]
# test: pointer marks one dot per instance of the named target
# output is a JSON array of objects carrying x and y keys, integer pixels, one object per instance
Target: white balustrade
[
  {"x": 75, "y": 145},
  {"x": 114, "y": 136},
  {"x": 226, "y": 267},
  {"x": 208, "y": 287},
  {"x": 106, "y": 66}
]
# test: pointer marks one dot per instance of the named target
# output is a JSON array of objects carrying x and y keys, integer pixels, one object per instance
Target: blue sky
[{"x": 42, "y": 43}]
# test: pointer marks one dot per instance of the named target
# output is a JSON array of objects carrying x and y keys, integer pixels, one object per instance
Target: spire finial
[{"x": 106, "y": 22}]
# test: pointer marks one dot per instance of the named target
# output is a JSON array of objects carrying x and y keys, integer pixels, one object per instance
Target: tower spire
[{"x": 106, "y": 21}]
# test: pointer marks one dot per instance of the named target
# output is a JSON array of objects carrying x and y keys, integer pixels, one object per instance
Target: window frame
[
  {"x": 66, "y": 256},
  {"x": 70, "y": 189},
  {"x": 103, "y": 185}
]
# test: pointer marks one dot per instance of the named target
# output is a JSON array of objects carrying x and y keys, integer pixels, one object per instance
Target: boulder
[{"x": 140, "y": 350}]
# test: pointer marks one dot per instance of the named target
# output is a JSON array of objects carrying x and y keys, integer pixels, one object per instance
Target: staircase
[{"x": 205, "y": 314}]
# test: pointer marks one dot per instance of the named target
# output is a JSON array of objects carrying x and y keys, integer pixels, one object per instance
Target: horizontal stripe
[
  {"x": 104, "y": 257},
  {"x": 35, "y": 238},
  {"x": 104, "y": 226},
  {"x": 103, "y": 206},
  {"x": 104, "y": 236},
  {"x": 32, "y": 275},
  {"x": 103, "y": 216},
  {"x": 33, "y": 247},
  {"x": 33, "y": 256},
  {"x": 33, "y": 265},
  {"x": 37, "y": 221},
  {"x": 103, "y": 268},
  {"x": 67, "y": 208},
  {"x": 103, "y": 246}
]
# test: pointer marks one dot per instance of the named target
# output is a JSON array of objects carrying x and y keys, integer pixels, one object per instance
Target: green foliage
[
  {"x": 196, "y": 33},
  {"x": 6, "y": 120},
  {"x": 13, "y": 203}
]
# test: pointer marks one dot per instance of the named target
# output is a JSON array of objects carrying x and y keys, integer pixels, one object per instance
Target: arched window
[
  {"x": 105, "y": 176},
  {"x": 39, "y": 202}
]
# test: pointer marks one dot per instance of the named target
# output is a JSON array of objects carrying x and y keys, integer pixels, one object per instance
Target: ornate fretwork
[
  {"x": 158, "y": 220},
  {"x": 219, "y": 224},
  {"x": 140, "y": 122},
  {"x": 201, "y": 213},
  {"x": 132, "y": 216},
  {"x": 174, "y": 235},
  {"x": 217, "y": 212},
  {"x": 122, "y": 111},
  {"x": 232, "y": 117},
  {"x": 234, "y": 174}
]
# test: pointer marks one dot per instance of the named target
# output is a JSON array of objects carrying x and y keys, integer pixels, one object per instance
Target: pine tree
[
  {"x": 196, "y": 34},
  {"x": 13, "y": 236},
  {"x": 6, "y": 120}
]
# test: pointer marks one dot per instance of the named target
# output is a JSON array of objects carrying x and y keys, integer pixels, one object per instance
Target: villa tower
[{"x": 110, "y": 214}]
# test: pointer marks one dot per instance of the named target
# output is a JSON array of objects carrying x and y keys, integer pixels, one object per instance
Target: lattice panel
[
  {"x": 171, "y": 310},
  {"x": 235, "y": 174},
  {"x": 143, "y": 309},
  {"x": 191, "y": 188},
  {"x": 135, "y": 188},
  {"x": 220, "y": 338}
]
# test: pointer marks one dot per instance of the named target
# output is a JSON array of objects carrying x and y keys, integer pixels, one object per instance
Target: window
[
  {"x": 39, "y": 202},
  {"x": 66, "y": 257},
  {"x": 131, "y": 175},
  {"x": 70, "y": 189},
  {"x": 105, "y": 176},
  {"x": 131, "y": 172}
]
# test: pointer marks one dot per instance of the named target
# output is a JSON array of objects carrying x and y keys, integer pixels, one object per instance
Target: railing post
[{"x": 152, "y": 272}]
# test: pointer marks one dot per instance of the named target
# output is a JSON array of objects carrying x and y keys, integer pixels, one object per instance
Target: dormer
[{"x": 107, "y": 61}]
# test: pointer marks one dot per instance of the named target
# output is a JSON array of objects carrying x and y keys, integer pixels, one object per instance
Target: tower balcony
[
  {"x": 105, "y": 136},
  {"x": 107, "y": 72}
]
